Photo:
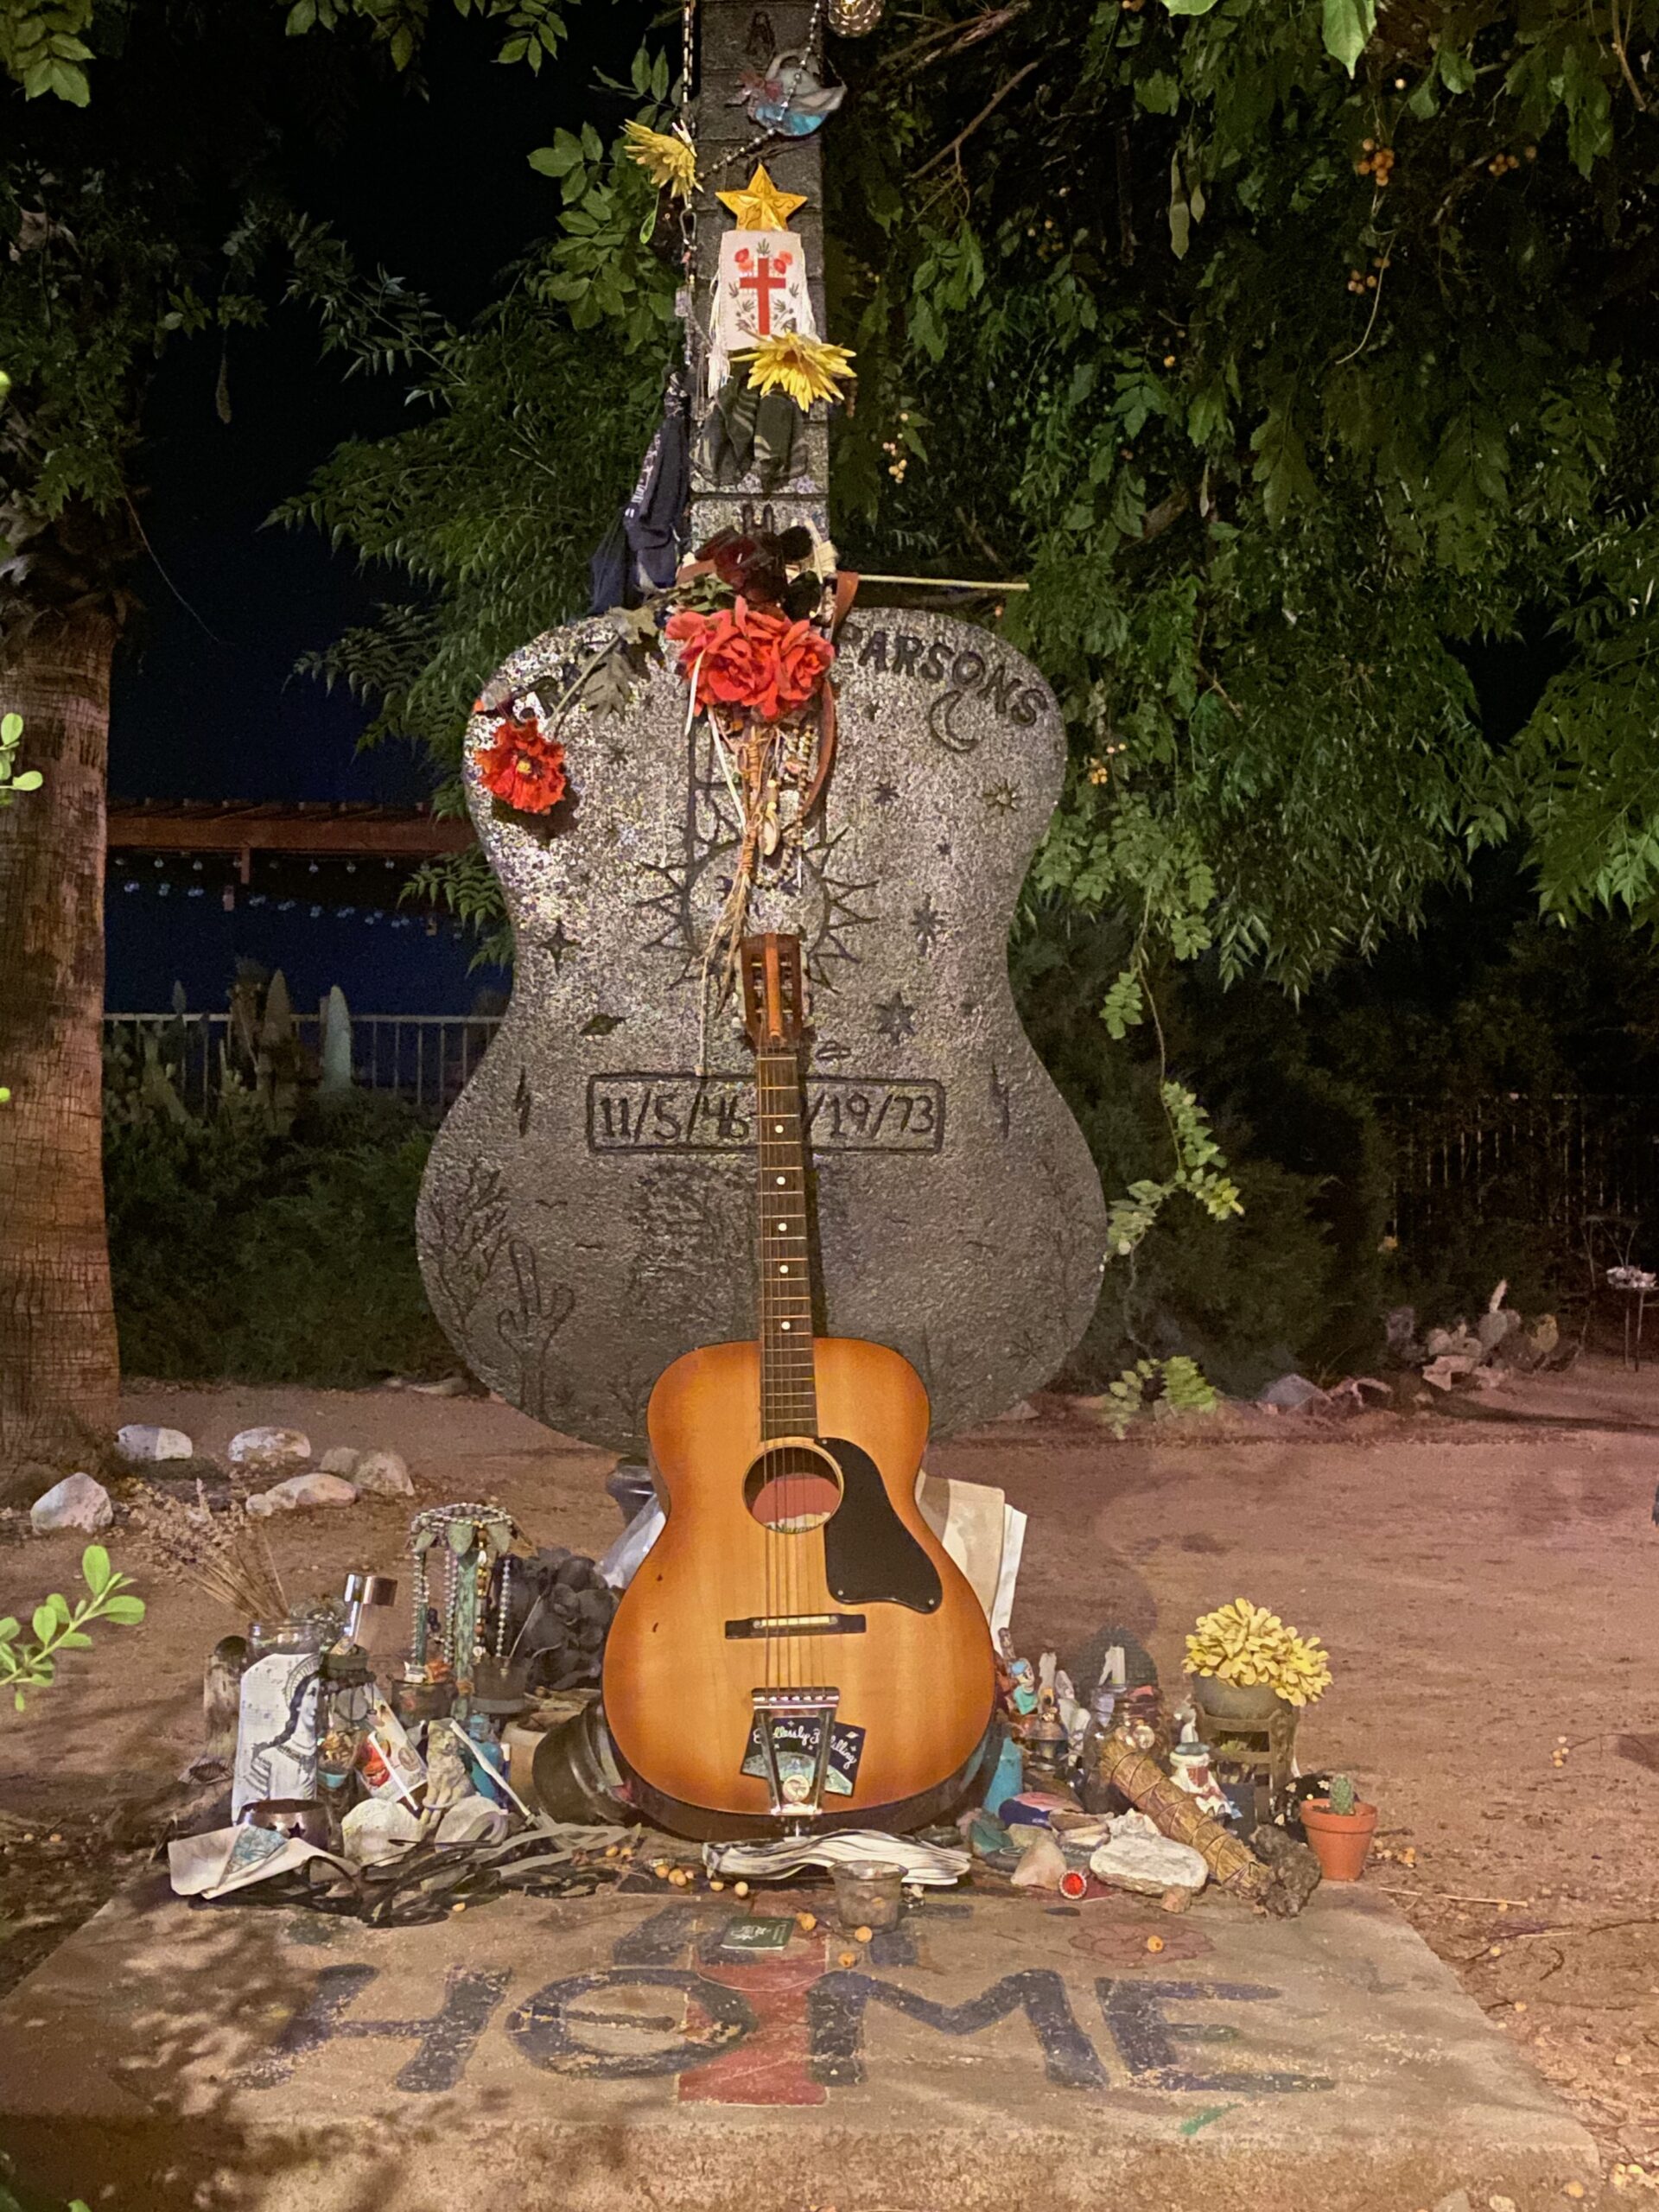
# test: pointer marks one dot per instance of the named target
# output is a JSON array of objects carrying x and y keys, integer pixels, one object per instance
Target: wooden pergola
[{"x": 330, "y": 829}]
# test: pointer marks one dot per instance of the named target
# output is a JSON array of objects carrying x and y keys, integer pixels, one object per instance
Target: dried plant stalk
[{"x": 222, "y": 1553}]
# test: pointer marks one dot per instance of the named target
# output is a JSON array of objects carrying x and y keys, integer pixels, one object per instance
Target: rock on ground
[
  {"x": 141, "y": 1442},
  {"x": 269, "y": 1451},
  {"x": 341, "y": 1459},
  {"x": 299, "y": 1490},
  {"x": 77, "y": 1502},
  {"x": 385, "y": 1474}
]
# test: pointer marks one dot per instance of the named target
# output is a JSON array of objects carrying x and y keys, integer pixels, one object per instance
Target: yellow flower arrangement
[
  {"x": 806, "y": 368},
  {"x": 666, "y": 158},
  {"x": 1246, "y": 1644}
]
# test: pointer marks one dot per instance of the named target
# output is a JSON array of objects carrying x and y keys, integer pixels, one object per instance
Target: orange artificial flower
[
  {"x": 522, "y": 767},
  {"x": 749, "y": 657}
]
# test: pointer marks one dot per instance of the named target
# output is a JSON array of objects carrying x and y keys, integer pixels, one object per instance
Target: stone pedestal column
[{"x": 735, "y": 36}]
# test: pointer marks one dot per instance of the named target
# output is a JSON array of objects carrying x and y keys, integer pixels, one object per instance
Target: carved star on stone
[
  {"x": 896, "y": 1018},
  {"x": 928, "y": 923},
  {"x": 886, "y": 793},
  {"x": 1004, "y": 798},
  {"x": 762, "y": 206},
  {"x": 560, "y": 943}
]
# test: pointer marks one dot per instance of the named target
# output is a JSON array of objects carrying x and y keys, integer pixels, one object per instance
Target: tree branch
[{"x": 989, "y": 108}]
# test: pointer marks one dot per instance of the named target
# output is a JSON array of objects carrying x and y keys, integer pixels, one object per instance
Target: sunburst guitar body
[{"x": 798, "y": 1650}]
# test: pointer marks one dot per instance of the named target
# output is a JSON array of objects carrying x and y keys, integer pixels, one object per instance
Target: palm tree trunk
[{"x": 58, "y": 1369}]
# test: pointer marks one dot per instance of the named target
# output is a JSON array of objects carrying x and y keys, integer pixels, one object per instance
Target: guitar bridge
[{"x": 793, "y": 1734}]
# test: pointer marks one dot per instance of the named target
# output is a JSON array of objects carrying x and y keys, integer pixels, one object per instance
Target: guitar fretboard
[{"x": 789, "y": 1402}]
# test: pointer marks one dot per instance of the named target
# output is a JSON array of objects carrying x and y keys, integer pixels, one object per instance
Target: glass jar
[{"x": 869, "y": 1894}]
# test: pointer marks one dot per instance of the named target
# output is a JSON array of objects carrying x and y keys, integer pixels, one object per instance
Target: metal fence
[
  {"x": 425, "y": 1058},
  {"x": 1555, "y": 1161}
]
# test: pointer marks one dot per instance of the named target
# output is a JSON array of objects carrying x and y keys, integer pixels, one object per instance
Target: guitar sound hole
[{"x": 792, "y": 1487}]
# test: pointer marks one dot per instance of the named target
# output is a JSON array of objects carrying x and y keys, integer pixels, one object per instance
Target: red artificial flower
[
  {"x": 523, "y": 768},
  {"x": 746, "y": 657}
]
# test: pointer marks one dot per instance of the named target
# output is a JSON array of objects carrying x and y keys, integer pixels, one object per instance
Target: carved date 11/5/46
[{"x": 713, "y": 1113}]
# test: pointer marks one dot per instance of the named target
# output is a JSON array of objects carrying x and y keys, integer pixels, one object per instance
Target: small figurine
[
  {"x": 448, "y": 1776},
  {"x": 786, "y": 97}
]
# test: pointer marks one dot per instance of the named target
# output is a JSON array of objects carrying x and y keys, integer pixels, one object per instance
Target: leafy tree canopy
[{"x": 1284, "y": 351}]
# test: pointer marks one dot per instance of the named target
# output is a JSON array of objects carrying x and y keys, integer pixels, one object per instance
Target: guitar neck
[{"x": 788, "y": 1402}]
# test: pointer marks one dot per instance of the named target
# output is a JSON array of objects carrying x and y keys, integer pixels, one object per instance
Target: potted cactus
[{"x": 1339, "y": 1828}]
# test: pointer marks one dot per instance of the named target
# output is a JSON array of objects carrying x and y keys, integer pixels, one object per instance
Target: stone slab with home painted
[{"x": 616, "y": 2051}]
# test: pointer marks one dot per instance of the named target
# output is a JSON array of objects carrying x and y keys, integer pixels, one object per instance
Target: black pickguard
[{"x": 870, "y": 1558}]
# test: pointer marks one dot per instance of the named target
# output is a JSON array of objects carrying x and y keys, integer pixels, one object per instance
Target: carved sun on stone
[
  {"x": 896, "y": 1018},
  {"x": 1003, "y": 797}
]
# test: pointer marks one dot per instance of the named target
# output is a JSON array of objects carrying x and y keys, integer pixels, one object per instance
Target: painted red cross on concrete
[{"x": 766, "y": 277}]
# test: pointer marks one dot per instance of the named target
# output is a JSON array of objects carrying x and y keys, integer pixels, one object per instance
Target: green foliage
[
  {"x": 1200, "y": 1171},
  {"x": 1272, "y": 429},
  {"x": 13, "y": 780},
  {"x": 1243, "y": 1296},
  {"x": 1161, "y": 1389},
  {"x": 30, "y": 1662},
  {"x": 42, "y": 47},
  {"x": 241, "y": 1256},
  {"x": 489, "y": 507}
]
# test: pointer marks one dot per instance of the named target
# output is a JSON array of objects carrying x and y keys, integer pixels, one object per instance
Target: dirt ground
[{"x": 1487, "y": 1586}]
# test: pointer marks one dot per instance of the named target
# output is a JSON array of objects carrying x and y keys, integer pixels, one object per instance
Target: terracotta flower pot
[{"x": 1341, "y": 1842}]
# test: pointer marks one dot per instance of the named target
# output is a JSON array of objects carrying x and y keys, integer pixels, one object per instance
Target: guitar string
[
  {"x": 772, "y": 1558},
  {"x": 792, "y": 1465}
]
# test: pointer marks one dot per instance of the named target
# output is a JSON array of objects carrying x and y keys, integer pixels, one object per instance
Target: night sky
[{"x": 206, "y": 705}]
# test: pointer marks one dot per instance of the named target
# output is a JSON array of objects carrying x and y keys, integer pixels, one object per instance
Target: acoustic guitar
[{"x": 798, "y": 1650}]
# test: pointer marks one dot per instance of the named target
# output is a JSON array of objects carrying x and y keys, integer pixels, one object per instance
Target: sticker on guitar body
[
  {"x": 715, "y": 1113},
  {"x": 795, "y": 1743}
]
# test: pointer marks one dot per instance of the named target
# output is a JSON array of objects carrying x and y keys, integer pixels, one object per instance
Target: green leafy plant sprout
[
  {"x": 30, "y": 1663},
  {"x": 11, "y": 779},
  {"x": 1161, "y": 1387}
]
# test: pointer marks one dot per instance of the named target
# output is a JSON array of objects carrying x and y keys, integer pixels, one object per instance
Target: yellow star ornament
[{"x": 761, "y": 206}]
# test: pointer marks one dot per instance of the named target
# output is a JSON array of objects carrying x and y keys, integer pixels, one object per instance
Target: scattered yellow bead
[
  {"x": 863, "y": 1935},
  {"x": 1154, "y": 1943},
  {"x": 806, "y": 1921},
  {"x": 1575, "y": 2188},
  {"x": 739, "y": 1888},
  {"x": 716, "y": 1883},
  {"x": 849, "y": 1958}
]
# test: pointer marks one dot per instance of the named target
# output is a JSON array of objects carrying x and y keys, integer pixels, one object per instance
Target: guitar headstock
[{"x": 774, "y": 993}]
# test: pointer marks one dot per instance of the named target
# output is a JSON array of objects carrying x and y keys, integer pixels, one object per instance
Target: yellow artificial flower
[
  {"x": 1246, "y": 1644},
  {"x": 806, "y": 368},
  {"x": 666, "y": 158}
]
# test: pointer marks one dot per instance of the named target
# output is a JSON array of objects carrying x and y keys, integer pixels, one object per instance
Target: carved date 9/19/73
[{"x": 715, "y": 1113}]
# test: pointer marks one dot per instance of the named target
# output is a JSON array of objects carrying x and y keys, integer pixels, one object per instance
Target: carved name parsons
[
  {"x": 962, "y": 672},
  {"x": 714, "y": 1113}
]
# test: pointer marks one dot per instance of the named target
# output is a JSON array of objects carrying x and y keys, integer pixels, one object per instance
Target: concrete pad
[{"x": 600, "y": 2053}]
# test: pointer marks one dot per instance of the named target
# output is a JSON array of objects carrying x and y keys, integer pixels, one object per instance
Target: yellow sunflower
[
  {"x": 806, "y": 368},
  {"x": 666, "y": 158}
]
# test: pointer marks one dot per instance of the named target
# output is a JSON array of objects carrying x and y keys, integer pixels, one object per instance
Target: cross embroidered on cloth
[{"x": 760, "y": 291}]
